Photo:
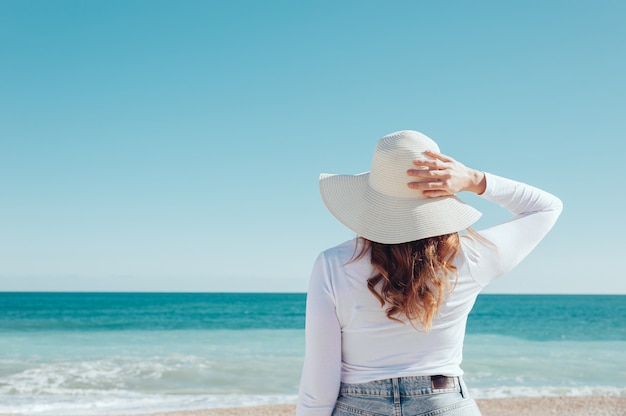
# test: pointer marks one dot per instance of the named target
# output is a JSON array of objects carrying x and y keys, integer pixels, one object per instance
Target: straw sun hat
[{"x": 379, "y": 206}]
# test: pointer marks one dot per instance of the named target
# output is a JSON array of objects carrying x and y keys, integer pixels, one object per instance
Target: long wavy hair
[{"x": 413, "y": 278}]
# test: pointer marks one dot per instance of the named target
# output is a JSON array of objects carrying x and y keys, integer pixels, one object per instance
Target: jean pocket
[{"x": 352, "y": 406}]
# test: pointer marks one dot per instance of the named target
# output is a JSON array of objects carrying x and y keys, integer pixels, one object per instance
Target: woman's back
[
  {"x": 351, "y": 339},
  {"x": 376, "y": 347},
  {"x": 356, "y": 347}
]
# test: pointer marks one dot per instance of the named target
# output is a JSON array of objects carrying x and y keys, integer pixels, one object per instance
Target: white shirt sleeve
[
  {"x": 321, "y": 373},
  {"x": 535, "y": 212}
]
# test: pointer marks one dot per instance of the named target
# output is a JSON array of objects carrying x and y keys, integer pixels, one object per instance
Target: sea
[{"x": 127, "y": 353}]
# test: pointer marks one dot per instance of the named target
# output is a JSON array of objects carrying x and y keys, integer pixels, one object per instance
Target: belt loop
[
  {"x": 396, "y": 391},
  {"x": 463, "y": 387}
]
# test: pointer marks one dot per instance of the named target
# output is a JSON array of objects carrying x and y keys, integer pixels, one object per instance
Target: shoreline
[{"x": 515, "y": 406}]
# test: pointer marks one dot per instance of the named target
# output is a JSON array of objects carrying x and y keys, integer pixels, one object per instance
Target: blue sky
[{"x": 176, "y": 145}]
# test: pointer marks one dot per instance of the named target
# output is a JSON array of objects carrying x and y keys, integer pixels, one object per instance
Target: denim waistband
[{"x": 401, "y": 386}]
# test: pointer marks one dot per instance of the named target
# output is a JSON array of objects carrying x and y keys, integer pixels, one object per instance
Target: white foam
[
  {"x": 131, "y": 403},
  {"x": 545, "y": 391}
]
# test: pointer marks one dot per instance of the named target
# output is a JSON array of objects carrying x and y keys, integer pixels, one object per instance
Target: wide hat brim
[{"x": 391, "y": 220}]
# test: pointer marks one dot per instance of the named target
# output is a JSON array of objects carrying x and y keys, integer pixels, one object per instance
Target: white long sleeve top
[{"x": 350, "y": 339}]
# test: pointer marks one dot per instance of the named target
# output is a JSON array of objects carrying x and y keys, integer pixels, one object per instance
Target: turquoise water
[{"x": 97, "y": 353}]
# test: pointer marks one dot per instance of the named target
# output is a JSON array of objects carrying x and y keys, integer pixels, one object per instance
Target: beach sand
[
  {"x": 536, "y": 406},
  {"x": 523, "y": 406}
]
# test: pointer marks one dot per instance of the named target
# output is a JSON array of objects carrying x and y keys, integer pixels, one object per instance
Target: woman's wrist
[{"x": 477, "y": 183}]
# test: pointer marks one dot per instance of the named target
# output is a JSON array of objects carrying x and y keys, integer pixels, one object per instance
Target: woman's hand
[{"x": 442, "y": 176}]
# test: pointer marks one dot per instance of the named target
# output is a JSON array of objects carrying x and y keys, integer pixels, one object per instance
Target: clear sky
[{"x": 176, "y": 145}]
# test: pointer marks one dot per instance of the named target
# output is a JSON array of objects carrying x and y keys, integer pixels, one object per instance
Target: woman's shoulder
[{"x": 344, "y": 251}]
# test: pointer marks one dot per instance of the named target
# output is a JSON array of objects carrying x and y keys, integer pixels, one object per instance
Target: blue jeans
[{"x": 405, "y": 396}]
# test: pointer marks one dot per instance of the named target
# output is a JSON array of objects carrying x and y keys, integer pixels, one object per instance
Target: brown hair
[{"x": 414, "y": 276}]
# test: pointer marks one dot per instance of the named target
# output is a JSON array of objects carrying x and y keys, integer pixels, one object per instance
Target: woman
[{"x": 386, "y": 312}]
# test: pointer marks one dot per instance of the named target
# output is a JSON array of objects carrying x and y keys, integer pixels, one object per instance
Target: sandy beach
[
  {"x": 521, "y": 406},
  {"x": 536, "y": 406},
  {"x": 531, "y": 406}
]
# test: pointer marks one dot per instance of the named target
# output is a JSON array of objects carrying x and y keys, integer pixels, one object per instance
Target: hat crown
[
  {"x": 378, "y": 205},
  {"x": 393, "y": 156}
]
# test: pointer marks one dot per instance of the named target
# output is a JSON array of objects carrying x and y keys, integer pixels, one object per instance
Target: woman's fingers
[
  {"x": 435, "y": 193},
  {"x": 425, "y": 169},
  {"x": 431, "y": 189},
  {"x": 428, "y": 163},
  {"x": 437, "y": 161},
  {"x": 429, "y": 173},
  {"x": 440, "y": 175},
  {"x": 438, "y": 156},
  {"x": 426, "y": 186},
  {"x": 434, "y": 174}
]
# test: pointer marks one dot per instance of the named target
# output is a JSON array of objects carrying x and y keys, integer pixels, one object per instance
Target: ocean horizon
[{"x": 96, "y": 353}]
